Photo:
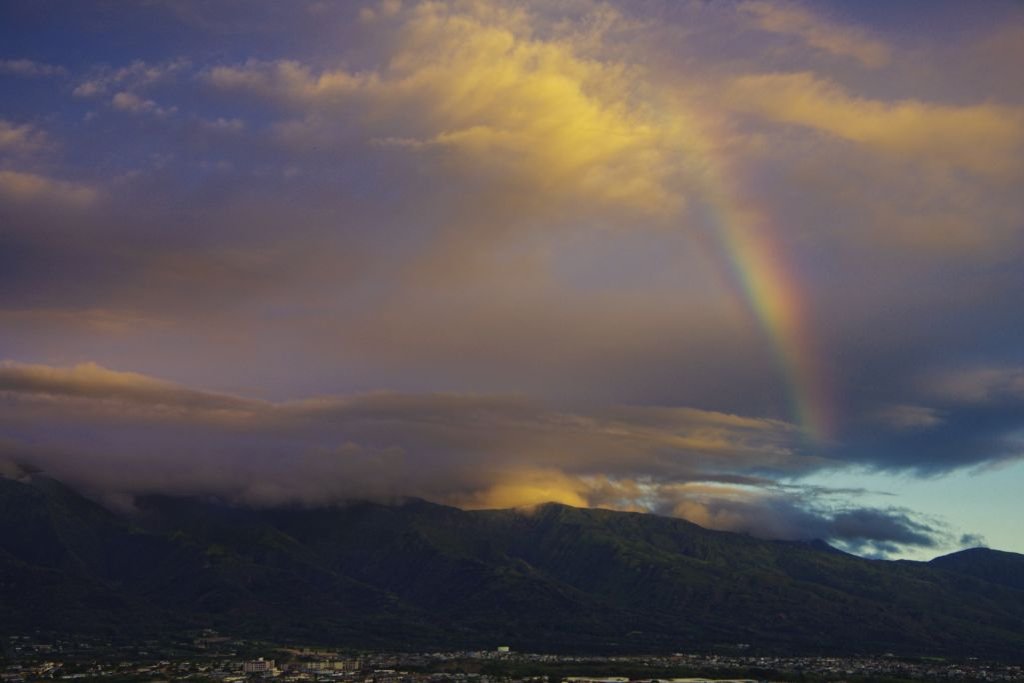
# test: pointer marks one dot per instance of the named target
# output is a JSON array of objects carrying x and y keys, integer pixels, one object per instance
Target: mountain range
[{"x": 417, "y": 575}]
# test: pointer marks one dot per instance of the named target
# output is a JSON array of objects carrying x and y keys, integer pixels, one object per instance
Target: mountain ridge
[{"x": 419, "y": 574}]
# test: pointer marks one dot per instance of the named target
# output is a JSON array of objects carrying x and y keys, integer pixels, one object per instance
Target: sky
[{"x": 753, "y": 264}]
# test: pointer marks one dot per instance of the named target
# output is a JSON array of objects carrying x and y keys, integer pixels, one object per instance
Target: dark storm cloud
[
  {"x": 970, "y": 416},
  {"x": 881, "y": 526},
  {"x": 800, "y": 513}
]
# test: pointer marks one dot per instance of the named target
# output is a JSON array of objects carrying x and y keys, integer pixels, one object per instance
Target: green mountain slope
[
  {"x": 995, "y": 566},
  {"x": 419, "y": 575}
]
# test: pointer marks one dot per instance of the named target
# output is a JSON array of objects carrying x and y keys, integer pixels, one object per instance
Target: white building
[{"x": 258, "y": 666}]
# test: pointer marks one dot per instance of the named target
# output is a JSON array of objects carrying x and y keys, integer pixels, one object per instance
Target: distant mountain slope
[
  {"x": 421, "y": 575},
  {"x": 994, "y": 566}
]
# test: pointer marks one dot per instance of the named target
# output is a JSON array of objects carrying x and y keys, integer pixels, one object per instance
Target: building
[{"x": 258, "y": 666}]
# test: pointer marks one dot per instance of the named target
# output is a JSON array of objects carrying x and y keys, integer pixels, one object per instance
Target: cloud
[
  {"x": 980, "y": 384},
  {"x": 384, "y": 8},
  {"x": 286, "y": 81},
  {"x": 61, "y": 321},
  {"x": 895, "y": 526},
  {"x": 469, "y": 450},
  {"x": 130, "y": 102},
  {"x": 17, "y": 186},
  {"x": 972, "y": 418},
  {"x": 578, "y": 127},
  {"x": 220, "y": 124},
  {"x": 461, "y": 201},
  {"x": 803, "y": 515},
  {"x": 904, "y": 417},
  {"x": 28, "y": 68},
  {"x": 526, "y": 488},
  {"x": 93, "y": 382},
  {"x": 881, "y": 204},
  {"x": 981, "y": 138},
  {"x": 21, "y": 140},
  {"x": 137, "y": 75},
  {"x": 973, "y": 541},
  {"x": 841, "y": 40}
]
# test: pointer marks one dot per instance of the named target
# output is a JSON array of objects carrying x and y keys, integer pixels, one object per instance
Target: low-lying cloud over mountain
[{"x": 118, "y": 434}]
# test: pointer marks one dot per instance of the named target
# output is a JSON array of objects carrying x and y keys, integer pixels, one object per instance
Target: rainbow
[{"x": 757, "y": 268}]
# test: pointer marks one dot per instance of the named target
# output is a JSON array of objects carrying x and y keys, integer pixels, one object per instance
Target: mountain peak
[{"x": 994, "y": 566}]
